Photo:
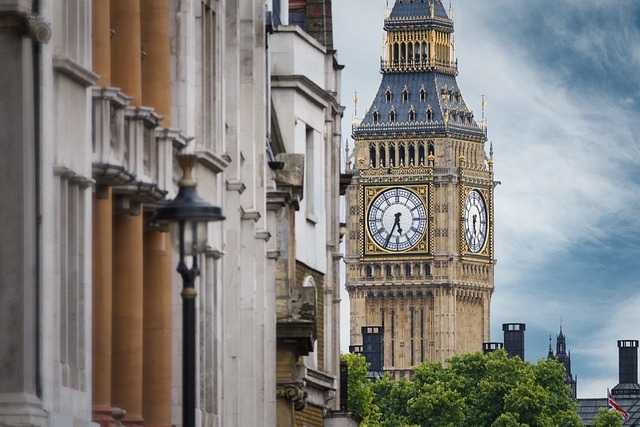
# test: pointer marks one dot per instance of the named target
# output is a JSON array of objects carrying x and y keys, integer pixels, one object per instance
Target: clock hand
[
  {"x": 386, "y": 243},
  {"x": 475, "y": 220},
  {"x": 398, "y": 215}
]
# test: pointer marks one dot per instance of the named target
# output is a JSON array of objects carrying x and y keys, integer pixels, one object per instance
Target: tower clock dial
[
  {"x": 475, "y": 221},
  {"x": 397, "y": 219}
]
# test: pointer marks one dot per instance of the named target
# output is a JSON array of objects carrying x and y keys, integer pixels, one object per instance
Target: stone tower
[{"x": 420, "y": 204}]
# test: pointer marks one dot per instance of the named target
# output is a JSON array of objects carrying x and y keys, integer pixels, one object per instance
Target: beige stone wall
[{"x": 452, "y": 286}]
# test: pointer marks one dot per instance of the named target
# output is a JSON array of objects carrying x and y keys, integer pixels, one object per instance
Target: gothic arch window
[
  {"x": 425, "y": 52},
  {"x": 427, "y": 269},
  {"x": 402, "y": 155},
  {"x": 392, "y": 116},
  {"x": 432, "y": 149},
  {"x": 412, "y": 154},
  {"x": 372, "y": 156},
  {"x": 392, "y": 155},
  {"x": 403, "y": 53},
  {"x": 404, "y": 97},
  {"x": 423, "y": 95},
  {"x": 410, "y": 52},
  {"x": 412, "y": 115},
  {"x": 416, "y": 53},
  {"x": 376, "y": 117},
  {"x": 388, "y": 96},
  {"x": 369, "y": 272},
  {"x": 407, "y": 270},
  {"x": 382, "y": 156},
  {"x": 429, "y": 115},
  {"x": 396, "y": 53},
  {"x": 421, "y": 153}
]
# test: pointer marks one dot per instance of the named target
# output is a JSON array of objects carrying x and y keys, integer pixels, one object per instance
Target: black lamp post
[{"x": 191, "y": 214}]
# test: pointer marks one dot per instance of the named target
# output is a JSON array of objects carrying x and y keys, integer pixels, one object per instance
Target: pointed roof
[{"x": 418, "y": 8}]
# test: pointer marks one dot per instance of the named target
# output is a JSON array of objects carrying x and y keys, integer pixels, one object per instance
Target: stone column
[
  {"x": 156, "y": 71},
  {"x": 126, "y": 375},
  {"x": 126, "y": 51},
  {"x": 102, "y": 299},
  {"x": 19, "y": 287},
  {"x": 157, "y": 329},
  {"x": 102, "y": 41}
]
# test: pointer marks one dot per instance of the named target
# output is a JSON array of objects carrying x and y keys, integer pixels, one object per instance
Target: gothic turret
[
  {"x": 419, "y": 92},
  {"x": 564, "y": 357}
]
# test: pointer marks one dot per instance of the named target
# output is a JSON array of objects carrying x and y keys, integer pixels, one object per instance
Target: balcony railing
[{"x": 410, "y": 65}]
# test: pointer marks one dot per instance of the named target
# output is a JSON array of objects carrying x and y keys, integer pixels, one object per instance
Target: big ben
[{"x": 420, "y": 252}]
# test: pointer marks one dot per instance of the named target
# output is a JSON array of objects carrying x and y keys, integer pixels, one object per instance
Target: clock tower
[{"x": 420, "y": 255}]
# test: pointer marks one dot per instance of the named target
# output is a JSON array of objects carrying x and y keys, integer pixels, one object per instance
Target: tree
[
  {"x": 474, "y": 390},
  {"x": 608, "y": 418},
  {"x": 360, "y": 396}
]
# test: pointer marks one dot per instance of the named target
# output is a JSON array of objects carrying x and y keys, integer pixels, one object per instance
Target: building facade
[
  {"x": 420, "y": 254},
  {"x": 101, "y": 98}
]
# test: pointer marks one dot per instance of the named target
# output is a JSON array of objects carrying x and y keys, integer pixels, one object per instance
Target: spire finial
[
  {"x": 491, "y": 150},
  {"x": 355, "y": 104},
  {"x": 483, "y": 123}
]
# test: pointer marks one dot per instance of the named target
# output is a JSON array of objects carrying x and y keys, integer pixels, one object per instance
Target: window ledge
[{"x": 74, "y": 71}]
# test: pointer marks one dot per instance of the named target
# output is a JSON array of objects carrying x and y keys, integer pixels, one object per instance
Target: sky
[{"x": 562, "y": 81}]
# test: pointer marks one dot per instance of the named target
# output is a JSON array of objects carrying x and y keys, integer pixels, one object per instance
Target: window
[
  {"x": 369, "y": 272},
  {"x": 432, "y": 149},
  {"x": 412, "y": 154},
  {"x": 423, "y": 95},
  {"x": 429, "y": 115},
  {"x": 407, "y": 270},
  {"x": 392, "y": 116},
  {"x": 208, "y": 75},
  {"x": 412, "y": 115},
  {"x": 402, "y": 155},
  {"x": 388, "y": 96},
  {"x": 421, "y": 153},
  {"x": 383, "y": 158},
  {"x": 405, "y": 95},
  {"x": 388, "y": 271},
  {"x": 75, "y": 23},
  {"x": 376, "y": 117},
  {"x": 392, "y": 155},
  {"x": 372, "y": 156},
  {"x": 309, "y": 189}
]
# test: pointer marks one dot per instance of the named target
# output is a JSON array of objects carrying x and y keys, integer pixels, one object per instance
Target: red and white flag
[{"x": 615, "y": 406}]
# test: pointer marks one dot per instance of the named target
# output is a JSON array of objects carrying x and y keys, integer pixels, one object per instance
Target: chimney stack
[
  {"x": 628, "y": 369},
  {"x": 628, "y": 361},
  {"x": 514, "y": 339},
  {"x": 490, "y": 347}
]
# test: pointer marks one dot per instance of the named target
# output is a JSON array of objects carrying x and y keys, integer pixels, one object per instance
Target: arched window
[
  {"x": 403, "y": 53},
  {"x": 369, "y": 272},
  {"x": 410, "y": 53},
  {"x": 427, "y": 269},
  {"x": 372, "y": 156},
  {"x": 392, "y": 155},
  {"x": 425, "y": 52},
  {"x": 388, "y": 96},
  {"x": 376, "y": 117},
  {"x": 392, "y": 116},
  {"x": 432, "y": 149},
  {"x": 396, "y": 53},
  {"x": 421, "y": 153},
  {"x": 429, "y": 114},
  {"x": 407, "y": 270},
  {"x": 404, "y": 97},
  {"x": 412, "y": 154},
  {"x": 423, "y": 95},
  {"x": 416, "y": 53},
  {"x": 382, "y": 156},
  {"x": 402, "y": 155},
  {"x": 412, "y": 115}
]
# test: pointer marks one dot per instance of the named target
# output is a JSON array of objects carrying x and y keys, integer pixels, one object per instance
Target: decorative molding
[
  {"x": 74, "y": 71},
  {"x": 263, "y": 235},
  {"x": 250, "y": 215},
  {"x": 238, "y": 186}
]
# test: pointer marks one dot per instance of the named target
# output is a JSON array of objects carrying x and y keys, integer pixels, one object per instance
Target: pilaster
[
  {"x": 126, "y": 49},
  {"x": 102, "y": 41}
]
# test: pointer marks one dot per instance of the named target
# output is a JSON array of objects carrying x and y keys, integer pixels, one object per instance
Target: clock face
[
  {"x": 397, "y": 219},
  {"x": 475, "y": 221}
]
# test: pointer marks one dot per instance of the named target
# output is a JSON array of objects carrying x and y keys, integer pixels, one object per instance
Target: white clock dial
[
  {"x": 475, "y": 221},
  {"x": 397, "y": 219}
]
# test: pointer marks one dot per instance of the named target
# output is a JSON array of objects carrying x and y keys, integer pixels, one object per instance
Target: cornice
[{"x": 307, "y": 87}]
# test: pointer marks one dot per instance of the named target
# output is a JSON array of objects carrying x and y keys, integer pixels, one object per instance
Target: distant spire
[
  {"x": 550, "y": 354},
  {"x": 355, "y": 104},
  {"x": 483, "y": 123}
]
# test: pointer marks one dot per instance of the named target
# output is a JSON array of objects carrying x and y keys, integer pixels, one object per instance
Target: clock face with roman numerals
[
  {"x": 475, "y": 221},
  {"x": 397, "y": 219}
]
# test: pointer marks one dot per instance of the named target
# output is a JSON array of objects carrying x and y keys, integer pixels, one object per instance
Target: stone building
[
  {"x": 420, "y": 254},
  {"x": 303, "y": 201},
  {"x": 563, "y": 355},
  {"x": 104, "y": 95}
]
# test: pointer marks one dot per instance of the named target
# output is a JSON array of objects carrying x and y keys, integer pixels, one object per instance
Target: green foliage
[
  {"x": 360, "y": 392},
  {"x": 474, "y": 390},
  {"x": 608, "y": 418}
]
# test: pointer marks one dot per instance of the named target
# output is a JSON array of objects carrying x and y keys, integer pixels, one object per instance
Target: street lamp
[{"x": 191, "y": 214}]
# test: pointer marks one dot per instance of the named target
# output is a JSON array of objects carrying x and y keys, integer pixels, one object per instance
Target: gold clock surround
[
  {"x": 370, "y": 193},
  {"x": 487, "y": 249}
]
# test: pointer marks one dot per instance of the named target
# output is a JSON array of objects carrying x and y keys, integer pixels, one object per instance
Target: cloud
[{"x": 562, "y": 110}]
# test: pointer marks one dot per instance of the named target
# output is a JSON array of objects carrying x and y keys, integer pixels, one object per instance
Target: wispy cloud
[{"x": 562, "y": 114}]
